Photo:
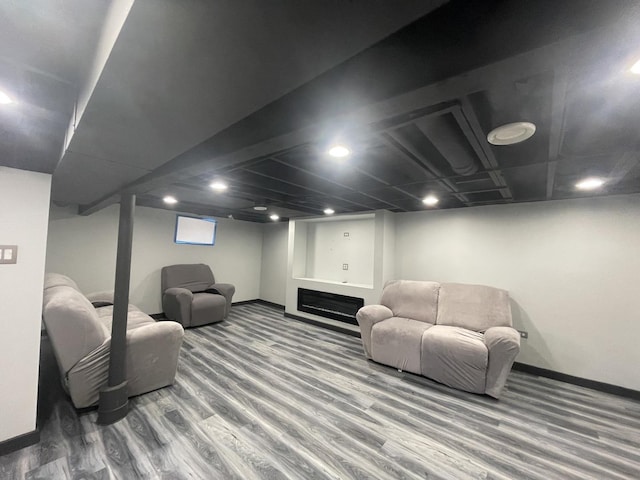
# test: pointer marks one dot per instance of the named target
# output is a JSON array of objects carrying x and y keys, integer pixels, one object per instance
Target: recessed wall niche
[
  {"x": 340, "y": 250},
  {"x": 347, "y": 255}
]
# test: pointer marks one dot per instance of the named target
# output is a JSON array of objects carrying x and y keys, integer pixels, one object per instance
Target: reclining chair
[{"x": 191, "y": 296}]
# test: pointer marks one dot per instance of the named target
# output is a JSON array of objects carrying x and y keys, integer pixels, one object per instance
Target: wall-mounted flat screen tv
[{"x": 195, "y": 230}]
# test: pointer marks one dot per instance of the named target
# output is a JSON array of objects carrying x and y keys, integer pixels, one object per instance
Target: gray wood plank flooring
[{"x": 260, "y": 396}]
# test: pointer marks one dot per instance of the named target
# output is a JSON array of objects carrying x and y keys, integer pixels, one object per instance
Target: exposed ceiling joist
[
  {"x": 470, "y": 125},
  {"x": 410, "y": 154},
  {"x": 557, "y": 117}
]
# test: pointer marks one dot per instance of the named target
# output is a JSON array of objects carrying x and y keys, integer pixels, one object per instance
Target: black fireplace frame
[{"x": 329, "y": 305}]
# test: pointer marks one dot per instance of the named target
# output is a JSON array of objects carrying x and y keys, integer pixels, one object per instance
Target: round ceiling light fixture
[
  {"x": 170, "y": 200},
  {"x": 339, "y": 151},
  {"x": 635, "y": 68},
  {"x": 329, "y": 211},
  {"x": 430, "y": 200},
  {"x": 218, "y": 186},
  {"x": 5, "y": 99},
  {"x": 274, "y": 217},
  {"x": 511, "y": 133},
  {"x": 590, "y": 183},
  {"x": 260, "y": 208}
]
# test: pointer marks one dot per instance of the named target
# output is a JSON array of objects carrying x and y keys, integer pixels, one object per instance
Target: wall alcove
[{"x": 347, "y": 255}]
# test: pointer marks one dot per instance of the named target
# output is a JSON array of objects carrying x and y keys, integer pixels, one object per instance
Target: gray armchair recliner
[{"x": 191, "y": 296}]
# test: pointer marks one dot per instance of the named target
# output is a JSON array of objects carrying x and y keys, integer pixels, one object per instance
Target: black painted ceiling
[{"x": 415, "y": 109}]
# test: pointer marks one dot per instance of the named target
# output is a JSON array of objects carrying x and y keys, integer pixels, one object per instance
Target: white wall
[
  {"x": 84, "y": 247},
  {"x": 273, "y": 275},
  {"x": 572, "y": 268},
  {"x": 328, "y": 249},
  {"x": 24, "y": 209}
]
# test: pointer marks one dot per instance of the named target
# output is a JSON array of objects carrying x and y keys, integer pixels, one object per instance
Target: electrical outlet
[
  {"x": 345, "y": 266},
  {"x": 523, "y": 334},
  {"x": 346, "y": 234}
]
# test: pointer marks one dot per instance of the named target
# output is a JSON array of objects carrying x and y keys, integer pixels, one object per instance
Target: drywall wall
[
  {"x": 273, "y": 275},
  {"x": 571, "y": 267},
  {"x": 85, "y": 249},
  {"x": 24, "y": 210},
  {"x": 332, "y": 245}
]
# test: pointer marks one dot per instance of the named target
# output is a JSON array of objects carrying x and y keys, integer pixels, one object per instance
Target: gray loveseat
[
  {"x": 80, "y": 335},
  {"x": 457, "y": 334}
]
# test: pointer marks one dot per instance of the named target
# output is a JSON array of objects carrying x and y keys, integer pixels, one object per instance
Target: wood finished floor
[{"x": 264, "y": 397}]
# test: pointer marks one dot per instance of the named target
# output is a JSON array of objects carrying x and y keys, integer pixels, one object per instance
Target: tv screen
[{"x": 195, "y": 230}]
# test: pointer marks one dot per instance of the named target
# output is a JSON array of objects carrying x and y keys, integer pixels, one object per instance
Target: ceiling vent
[{"x": 445, "y": 134}]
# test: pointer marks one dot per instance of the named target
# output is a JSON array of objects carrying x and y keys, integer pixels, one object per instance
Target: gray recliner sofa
[
  {"x": 191, "y": 296},
  {"x": 457, "y": 334},
  {"x": 79, "y": 328}
]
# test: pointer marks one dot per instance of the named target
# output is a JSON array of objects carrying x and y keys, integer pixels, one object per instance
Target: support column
[{"x": 114, "y": 402}]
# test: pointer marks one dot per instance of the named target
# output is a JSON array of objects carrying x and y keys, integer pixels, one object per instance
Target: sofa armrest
[
  {"x": 367, "y": 317},
  {"x": 151, "y": 363},
  {"x": 152, "y": 356},
  {"x": 105, "y": 296},
  {"x": 503, "y": 344},
  {"x": 176, "y": 303},
  {"x": 226, "y": 289}
]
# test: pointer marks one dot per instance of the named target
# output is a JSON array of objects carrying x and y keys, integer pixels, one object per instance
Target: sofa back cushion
[
  {"x": 57, "y": 280},
  {"x": 72, "y": 324},
  {"x": 195, "y": 277},
  {"x": 475, "y": 307},
  {"x": 417, "y": 300}
]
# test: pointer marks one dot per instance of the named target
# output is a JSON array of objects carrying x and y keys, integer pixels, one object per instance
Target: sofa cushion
[
  {"x": 456, "y": 357},
  {"x": 475, "y": 307},
  {"x": 207, "y": 308},
  {"x": 417, "y": 300},
  {"x": 397, "y": 342},
  {"x": 135, "y": 318}
]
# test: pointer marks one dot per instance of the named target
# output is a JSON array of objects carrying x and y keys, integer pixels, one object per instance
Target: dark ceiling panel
[
  {"x": 415, "y": 108},
  {"x": 527, "y": 183}
]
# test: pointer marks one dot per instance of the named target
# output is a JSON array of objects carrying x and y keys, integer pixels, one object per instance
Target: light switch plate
[{"x": 8, "y": 254}]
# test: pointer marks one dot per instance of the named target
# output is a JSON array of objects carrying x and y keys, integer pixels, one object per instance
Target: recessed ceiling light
[
  {"x": 430, "y": 200},
  {"x": 260, "y": 208},
  {"x": 5, "y": 99},
  {"x": 170, "y": 200},
  {"x": 339, "y": 151},
  {"x": 219, "y": 186},
  {"x": 329, "y": 211},
  {"x": 274, "y": 217},
  {"x": 590, "y": 183},
  {"x": 511, "y": 133},
  {"x": 635, "y": 68}
]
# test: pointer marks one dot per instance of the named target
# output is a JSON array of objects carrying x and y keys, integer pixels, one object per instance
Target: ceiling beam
[
  {"x": 468, "y": 121},
  {"x": 200, "y": 209},
  {"x": 623, "y": 166},
  {"x": 318, "y": 192},
  {"x": 410, "y": 154},
  {"x": 333, "y": 182},
  {"x": 557, "y": 125}
]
